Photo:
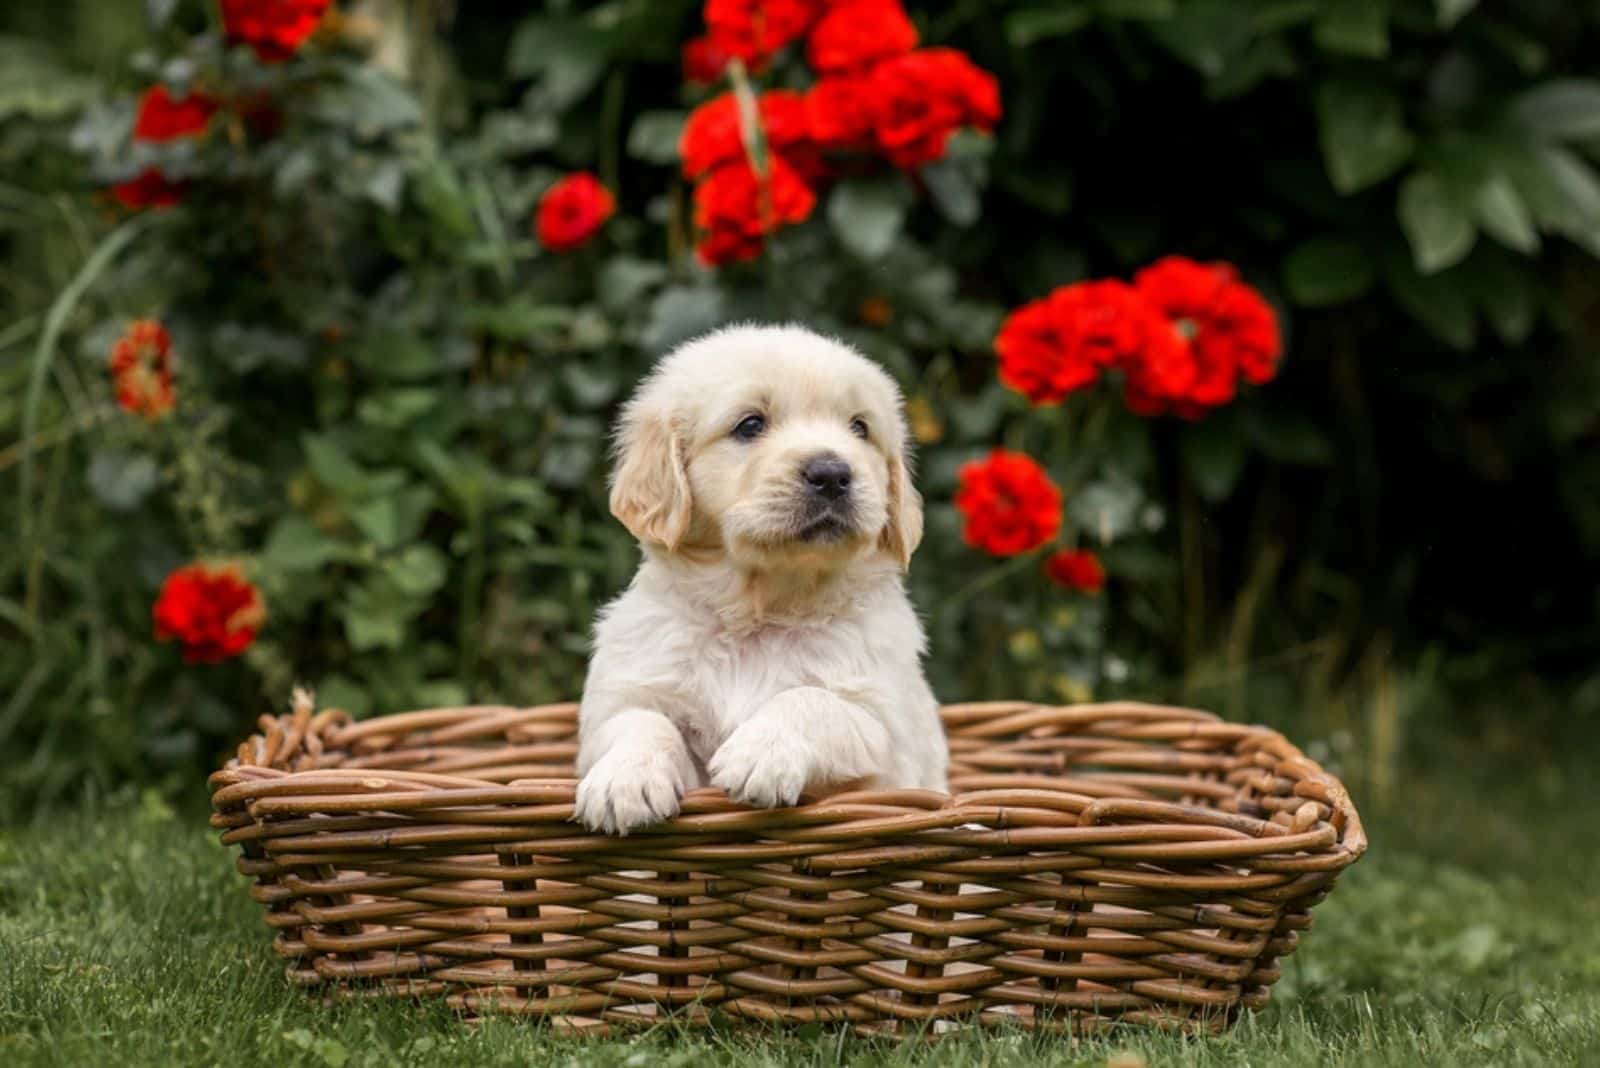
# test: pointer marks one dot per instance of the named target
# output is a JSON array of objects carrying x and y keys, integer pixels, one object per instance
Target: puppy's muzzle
[{"x": 827, "y": 510}]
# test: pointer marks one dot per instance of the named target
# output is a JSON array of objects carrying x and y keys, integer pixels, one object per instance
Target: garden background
[{"x": 371, "y": 397}]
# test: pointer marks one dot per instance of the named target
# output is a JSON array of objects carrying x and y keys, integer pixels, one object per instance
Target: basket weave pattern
[{"x": 1094, "y": 863}]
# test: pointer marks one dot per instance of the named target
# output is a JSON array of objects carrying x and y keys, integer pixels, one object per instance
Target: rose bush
[{"x": 1211, "y": 318}]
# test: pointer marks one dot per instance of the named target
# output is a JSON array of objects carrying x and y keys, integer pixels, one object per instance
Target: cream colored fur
[{"x": 743, "y": 654}]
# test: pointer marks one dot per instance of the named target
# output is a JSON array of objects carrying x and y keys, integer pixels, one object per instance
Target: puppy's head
[{"x": 771, "y": 445}]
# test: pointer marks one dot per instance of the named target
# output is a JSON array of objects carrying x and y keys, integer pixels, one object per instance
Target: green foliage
[{"x": 394, "y": 403}]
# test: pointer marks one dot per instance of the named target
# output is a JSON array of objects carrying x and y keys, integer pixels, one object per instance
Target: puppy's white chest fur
[{"x": 662, "y": 646}]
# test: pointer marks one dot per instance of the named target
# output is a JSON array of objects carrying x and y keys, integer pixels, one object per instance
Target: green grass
[{"x": 1469, "y": 935}]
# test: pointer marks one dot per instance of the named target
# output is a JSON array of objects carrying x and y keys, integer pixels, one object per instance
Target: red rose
[
  {"x": 1055, "y": 346},
  {"x": 1076, "y": 569},
  {"x": 703, "y": 61},
  {"x": 150, "y": 189},
  {"x": 159, "y": 119},
  {"x": 1010, "y": 504},
  {"x": 753, "y": 30},
  {"x": 839, "y": 113},
  {"x": 141, "y": 370},
  {"x": 274, "y": 29},
  {"x": 923, "y": 97},
  {"x": 572, "y": 211},
  {"x": 212, "y": 610},
  {"x": 713, "y": 136},
  {"x": 1229, "y": 330},
  {"x": 734, "y": 209},
  {"x": 854, "y": 34}
]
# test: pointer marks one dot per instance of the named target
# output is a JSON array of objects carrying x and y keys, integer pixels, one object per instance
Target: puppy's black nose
[{"x": 827, "y": 475}]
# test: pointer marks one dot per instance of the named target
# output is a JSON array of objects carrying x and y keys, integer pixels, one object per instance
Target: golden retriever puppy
[{"x": 766, "y": 645}]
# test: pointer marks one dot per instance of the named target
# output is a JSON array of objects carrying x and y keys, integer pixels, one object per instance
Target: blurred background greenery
[{"x": 393, "y": 402}]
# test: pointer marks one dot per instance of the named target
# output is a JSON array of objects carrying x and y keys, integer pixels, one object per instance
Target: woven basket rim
[{"x": 271, "y": 791}]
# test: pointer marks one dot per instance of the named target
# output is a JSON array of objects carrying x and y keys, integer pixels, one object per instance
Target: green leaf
[
  {"x": 866, "y": 214},
  {"x": 1269, "y": 57},
  {"x": 1213, "y": 455},
  {"x": 1354, "y": 28},
  {"x": 122, "y": 480},
  {"x": 442, "y": 196},
  {"x": 519, "y": 319},
  {"x": 1452, "y": 11},
  {"x": 372, "y": 621},
  {"x": 567, "y": 55},
  {"x": 954, "y": 191},
  {"x": 1363, "y": 133},
  {"x": 1435, "y": 301},
  {"x": 1555, "y": 184},
  {"x": 333, "y": 467},
  {"x": 1565, "y": 110},
  {"x": 418, "y": 570},
  {"x": 654, "y": 136},
  {"x": 624, "y": 280},
  {"x": 296, "y": 545},
  {"x": 1325, "y": 271},
  {"x": 367, "y": 102},
  {"x": 395, "y": 518},
  {"x": 394, "y": 409},
  {"x": 1032, "y": 24},
  {"x": 397, "y": 354},
  {"x": 679, "y": 313},
  {"x": 1502, "y": 213},
  {"x": 1506, "y": 291},
  {"x": 1206, "y": 34},
  {"x": 1440, "y": 229}
]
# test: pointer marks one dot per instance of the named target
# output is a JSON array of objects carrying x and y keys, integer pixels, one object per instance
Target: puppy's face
[{"x": 773, "y": 446}]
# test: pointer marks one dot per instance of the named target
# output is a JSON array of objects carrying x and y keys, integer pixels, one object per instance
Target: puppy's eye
[
  {"x": 858, "y": 427},
  {"x": 750, "y": 427}
]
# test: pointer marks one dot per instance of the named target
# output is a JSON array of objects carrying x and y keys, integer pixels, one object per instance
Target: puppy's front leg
[
  {"x": 635, "y": 769},
  {"x": 807, "y": 736}
]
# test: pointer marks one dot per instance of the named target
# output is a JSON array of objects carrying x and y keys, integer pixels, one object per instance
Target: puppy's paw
[
  {"x": 759, "y": 765},
  {"x": 627, "y": 789}
]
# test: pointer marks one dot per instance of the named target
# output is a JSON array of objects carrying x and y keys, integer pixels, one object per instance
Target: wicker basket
[{"x": 1095, "y": 863}]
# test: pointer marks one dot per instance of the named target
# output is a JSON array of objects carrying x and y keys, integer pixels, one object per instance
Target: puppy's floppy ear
[
  {"x": 903, "y": 532},
  {"x": 650, "y": 486}
]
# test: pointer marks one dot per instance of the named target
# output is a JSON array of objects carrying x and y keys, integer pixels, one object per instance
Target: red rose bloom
[
  {"x": 734, "y": 209},
  {"x": 572, "y": 211},
  {"x": 1037, "y": 357},
  {"x": 161, "y": 118},
  {"x": 274, "y": 29},
  {"x": 1055, "y": 346},
  {"x": 1076, "y": 569},
  {"x": 212, "y": 610},
  {"x": 923, "y": 97},
  {"x": 712, "y": 136},
  {"x": 753, "y": 30},
  {"x": 703, "y": 61},
  {"x": 1228, "y": 328},
  {"x": 1010, "y": 504},
  {"x": 839, "y": 113},
  {"x": 141, "y": 370},
  {"x": 855, "y": 34},
  {"x": 150, "y": 189}
]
